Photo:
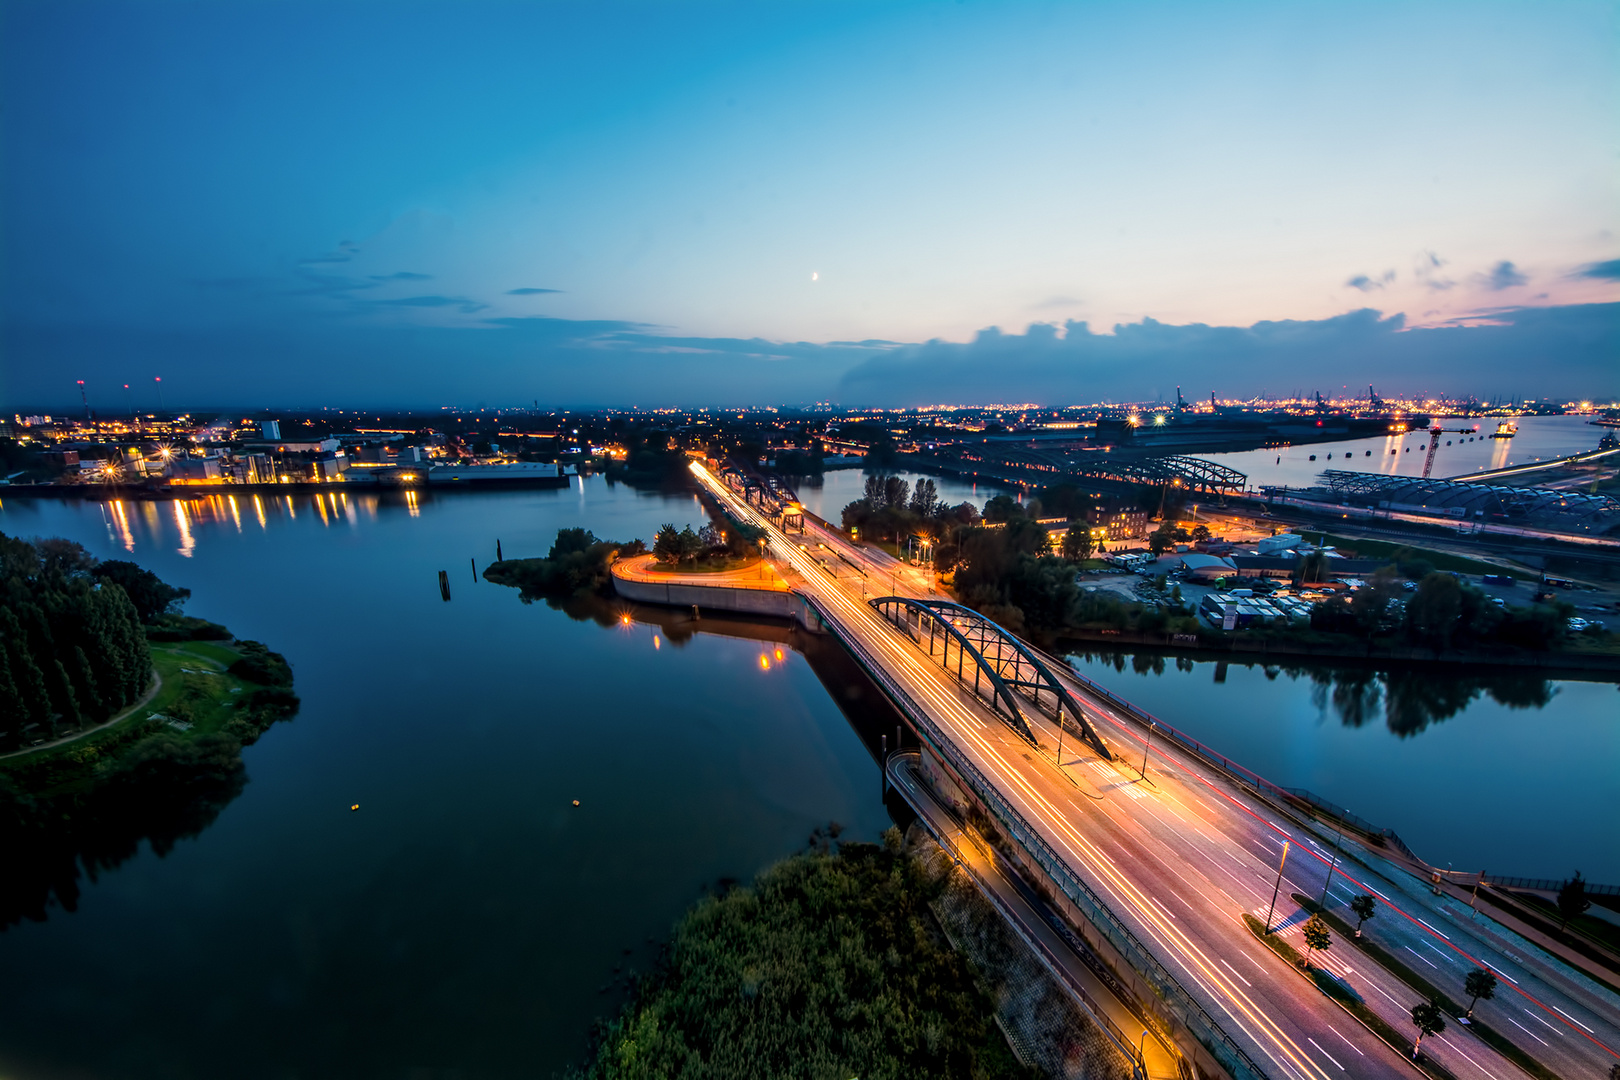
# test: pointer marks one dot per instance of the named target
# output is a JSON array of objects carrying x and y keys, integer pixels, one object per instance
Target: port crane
[{"x": 1434, "y": 442}]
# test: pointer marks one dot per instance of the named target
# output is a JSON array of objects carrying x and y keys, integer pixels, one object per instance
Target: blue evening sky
[{"x": 435, "y": 203}]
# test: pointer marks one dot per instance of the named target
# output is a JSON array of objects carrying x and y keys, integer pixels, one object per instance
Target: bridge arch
[{"x": 1004, "y": 661}]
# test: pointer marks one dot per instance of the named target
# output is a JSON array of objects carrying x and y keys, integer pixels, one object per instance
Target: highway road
[{"x": 1180, "y": 855}]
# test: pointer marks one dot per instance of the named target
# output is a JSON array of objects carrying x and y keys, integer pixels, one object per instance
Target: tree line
[{"x": 72, "y": 649}]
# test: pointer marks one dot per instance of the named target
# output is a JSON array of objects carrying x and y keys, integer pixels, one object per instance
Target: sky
[{"x": 359, "y": 202}]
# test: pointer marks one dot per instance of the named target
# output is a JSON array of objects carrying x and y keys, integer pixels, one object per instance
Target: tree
[
  {"x": 1365, "y": 907},
  {"x": 1479, "y": 984},
  {"x": 1200, "y": 533},
  {"x": 666, "y": 545},
  {"x": 148, "y": 592},
  {"x": 1430, "y": 1019},
  {"x": 925, "y": 498},
  {"x": 1572, "y": 899},
  {"x": 1312, "y": 567},
  {"x": 1316, "y": 937},
  {"x": 1431, "y": 613},
  {"x": 1162, "y": 539},
  {"x": 1076, "y": 545},
  {"x": 1002, "y": 508}
]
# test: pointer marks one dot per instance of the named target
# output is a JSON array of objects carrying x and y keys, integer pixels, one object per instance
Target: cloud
[
  {"x": 460, "y": 303},
  {"x": 1368, "y": 284},
  {"x": 402, "y": 275},
  {"x": 346, "y": 251},
  {"x": 530, "y": 292},
  {"x": 1427, "y": 272},
  {"x": 1602, "y": 271},
  {"x": 1560, "y": 350},
  {"x": 1504, "y": 275}
]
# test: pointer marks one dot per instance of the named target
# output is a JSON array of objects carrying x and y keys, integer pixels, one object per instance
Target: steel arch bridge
[
  {"x": 1001, "y": 663},
  {"x": 1175, "y": 470}
]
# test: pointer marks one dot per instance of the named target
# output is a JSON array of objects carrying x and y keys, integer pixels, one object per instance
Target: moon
[{"x": 814, "y": 276}]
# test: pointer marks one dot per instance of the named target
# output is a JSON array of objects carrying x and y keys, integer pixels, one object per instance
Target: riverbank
[
  {"x": 1257, "y": 649},
  {"x": 831, "y": 963}
]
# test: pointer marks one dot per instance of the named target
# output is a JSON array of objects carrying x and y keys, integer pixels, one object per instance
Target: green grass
[
  {"x": 710, "y": 566},
  {"x": 1601, "y": 932},
  {"x": 1440, "y": 560},
  {"x": 1338, "y": 991},
  {"x": 1389, "y": 962},
  {"x": 208, "y": 699}
]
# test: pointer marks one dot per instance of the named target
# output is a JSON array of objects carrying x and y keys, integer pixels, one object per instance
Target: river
[
  {"x": 468, "y": 920},
  {"x": 1540, "y": 438}
]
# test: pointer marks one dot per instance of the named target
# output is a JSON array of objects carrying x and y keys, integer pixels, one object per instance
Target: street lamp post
[
  {"x": 1278, "y": 887},
  {"x": 1338, "y": 840},
  {"x": 1142, "y": 772}
]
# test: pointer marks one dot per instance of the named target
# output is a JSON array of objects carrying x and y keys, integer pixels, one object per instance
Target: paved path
[{"x": 151, "y": 692}]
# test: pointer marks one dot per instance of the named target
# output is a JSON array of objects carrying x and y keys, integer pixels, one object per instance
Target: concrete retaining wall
[{"x": 783, "y": 605}]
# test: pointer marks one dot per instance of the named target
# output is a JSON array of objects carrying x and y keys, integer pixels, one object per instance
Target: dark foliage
[
  {"x": 577, "y": 564},
  {"x": 151, "y": 596},
  {"x": 831, "y": 965},
  {"x": 71, "y": 648}
]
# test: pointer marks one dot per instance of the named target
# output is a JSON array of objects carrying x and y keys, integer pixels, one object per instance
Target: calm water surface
[
  {"x": 464, "y": 920},
  {"x": 468, "y": 921},
  {"x": 1540, "y": 438}
]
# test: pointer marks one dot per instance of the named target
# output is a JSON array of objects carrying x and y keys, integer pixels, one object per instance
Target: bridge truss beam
[{"x": 1005, "y": 664}]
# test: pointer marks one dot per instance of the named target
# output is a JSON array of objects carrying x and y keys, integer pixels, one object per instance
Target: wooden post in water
[
  {"x": 498, "y": 556},
  {"x": 444, "y": 585},
  {"x": 474, "y": 564}
]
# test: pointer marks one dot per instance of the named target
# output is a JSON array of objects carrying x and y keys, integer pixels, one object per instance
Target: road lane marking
[
  {"x": 1381, "y": 990},
  {"x": 1573, "y": 1019},
  {"x": 1465, "y": 1057},
  {"x": 1544, "y": 1023},
  {"x": 1234, "y": 971},
  {"x": 1431, "y": 928},
  {"x": 1528, "y": 1032},
  {"x": 1325, "y": 1054},
  {"x": 1347, "y": 1042},
  {"x": 1421, "y": 957}
]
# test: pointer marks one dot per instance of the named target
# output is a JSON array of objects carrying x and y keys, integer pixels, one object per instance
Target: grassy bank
[
  {"x": 210, "y": 690},
  {"x": 829, "y": 966},
  {"x": 1397, "y": 552}
]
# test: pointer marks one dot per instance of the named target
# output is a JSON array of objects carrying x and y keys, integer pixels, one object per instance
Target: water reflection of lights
[
  {"x": 657, "y": 641},
  {"x": 410, "y": 503},
  {"x": 292, "y": 511},
  {"x": 236, "y": 513},
  {"x": 121, "y": 520},
  {"x": 187, "y": 544},
  {"x": 258, "y": 508},
  {"x": 320, "y": 508}
]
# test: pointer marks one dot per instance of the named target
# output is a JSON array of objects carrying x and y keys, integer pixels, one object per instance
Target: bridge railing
[{"x": 1181, "y": 1005}]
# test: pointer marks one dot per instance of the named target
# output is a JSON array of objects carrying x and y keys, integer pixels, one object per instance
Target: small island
[{"x": 121, "y": 720}]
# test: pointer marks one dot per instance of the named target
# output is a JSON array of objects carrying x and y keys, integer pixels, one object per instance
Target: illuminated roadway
[{"x": 1178, "y": 857}]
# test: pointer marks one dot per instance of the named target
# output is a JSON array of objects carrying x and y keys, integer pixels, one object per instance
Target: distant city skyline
[{"x": 730, "y": 204}]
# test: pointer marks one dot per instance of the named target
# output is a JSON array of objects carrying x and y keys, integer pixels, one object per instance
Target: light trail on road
[{"x": 1141, "y": 853}]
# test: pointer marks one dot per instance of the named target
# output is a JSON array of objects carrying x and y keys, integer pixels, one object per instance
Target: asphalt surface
[{"x": 1180, "y": 854}]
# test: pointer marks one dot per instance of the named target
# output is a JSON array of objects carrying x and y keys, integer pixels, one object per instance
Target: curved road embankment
[{"x": 753, "y": 590}]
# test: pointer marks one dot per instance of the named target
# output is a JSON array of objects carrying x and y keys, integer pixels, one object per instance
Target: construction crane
[{"x": 1434, "y": 442}]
